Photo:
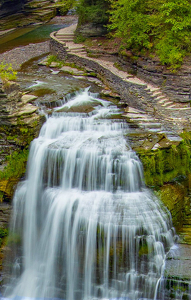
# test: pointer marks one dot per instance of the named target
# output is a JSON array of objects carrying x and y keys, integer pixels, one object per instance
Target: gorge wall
[
  {"x": 19, "y": 125},
  {"x": 175, "y": 84},
  {"x": 18, "y": 13},
  {"x": 8, "y": 7}
]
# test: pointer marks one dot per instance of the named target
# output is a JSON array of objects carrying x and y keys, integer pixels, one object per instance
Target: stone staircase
[
  {"x": 66, "y": 37},
  {"x": 142, "y": 120},
  {"x": 174, "y": 114}
]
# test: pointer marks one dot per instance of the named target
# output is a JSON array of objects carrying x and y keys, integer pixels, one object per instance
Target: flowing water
[
  {"x": 29, "y": 34},
  {"x": 84, "y": 225}
]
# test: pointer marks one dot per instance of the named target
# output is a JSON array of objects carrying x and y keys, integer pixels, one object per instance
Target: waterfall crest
[{"x": 84, "y": 225}]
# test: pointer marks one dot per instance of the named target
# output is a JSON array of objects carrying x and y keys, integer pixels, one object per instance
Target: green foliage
[
  {"x": 3, "y": 234},
  {"x": 95, "y": 11},
  {"x": 16, "y": 165},
  {"x": 7, "y": 72},
  {"x": 63, "y": 6},
  {"x": 79, "y": 39},
  {"x": 161, "y": 26}
]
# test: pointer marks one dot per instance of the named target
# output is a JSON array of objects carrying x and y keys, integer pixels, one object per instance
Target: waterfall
[{"x": 84, "y": 225}]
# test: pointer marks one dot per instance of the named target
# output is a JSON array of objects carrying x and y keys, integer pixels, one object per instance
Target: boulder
[{"x": 91, "y": 30}]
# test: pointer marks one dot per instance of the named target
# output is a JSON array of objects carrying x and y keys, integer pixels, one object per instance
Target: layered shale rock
[
  {"x": 18, "y": 13},
  {"x": 19, "y": 124}
]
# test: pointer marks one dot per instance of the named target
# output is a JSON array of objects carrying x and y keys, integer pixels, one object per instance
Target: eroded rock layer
[{"x": 18, "y": 13}]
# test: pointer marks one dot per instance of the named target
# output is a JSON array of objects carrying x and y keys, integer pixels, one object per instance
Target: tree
[
  {"x": 160, "y": 26},
  {"x": 94, "y": 11}
]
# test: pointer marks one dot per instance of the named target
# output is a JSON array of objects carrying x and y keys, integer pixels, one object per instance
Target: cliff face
[
  {"x": 19, "y": 124},
  {"x": 18, "y": 13},
  {"x": 9, "y": 7}
]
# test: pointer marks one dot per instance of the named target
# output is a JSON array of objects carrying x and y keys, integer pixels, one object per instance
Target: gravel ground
[{"x": 20, "y": 55}]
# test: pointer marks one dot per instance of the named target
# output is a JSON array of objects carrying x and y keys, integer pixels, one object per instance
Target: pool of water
[{"x": 27, "y": 35}]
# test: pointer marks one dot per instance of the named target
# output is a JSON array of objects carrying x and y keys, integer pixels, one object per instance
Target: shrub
[
  {"x": 7, "y": 72},
  {"x": 63, "y": 6},
  {"x": 162, "y": 27},
  {"x": 95, "y": 11}
]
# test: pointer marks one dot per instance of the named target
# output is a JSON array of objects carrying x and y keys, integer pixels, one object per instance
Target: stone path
[{"x": 177, "y": 115}]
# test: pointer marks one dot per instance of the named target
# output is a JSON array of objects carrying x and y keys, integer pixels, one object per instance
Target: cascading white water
[{"x": 84, "y": 225}]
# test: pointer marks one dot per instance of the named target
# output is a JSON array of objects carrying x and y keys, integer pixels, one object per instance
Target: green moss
[
  {"x": 143, "y": 250},
  {"x": 168, "y": 172},
  {"x": 16, "y": 165},
  {"x": 54, "y": 58},
  {"x": 163, "y": 165},
  {"x": 92, "y": 74},
  {"x": 79, "y": 39},
  {"x": 22, "y": 134},
  {"x": 173, "y": 196}
]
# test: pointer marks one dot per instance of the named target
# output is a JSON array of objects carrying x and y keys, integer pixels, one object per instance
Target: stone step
[
  {"x": 157, "y": 93},
  {"x": 84, "y": 53},
  {"x": 138, "y": 116},
  {"x": 143, "y": 121},
  {"x": 152, "y": 88},
  {"x": 77, "y": 50},
  {"x": 179, "y": 108},
  {"x": 167, "y": 103},
  {"x": 161, "y": 97},
  {"x": 77, "y": 53},
  {"x": 151, "y": 125},
  {"x": 65, "y": 39},
  {"x": 173, "y": 105},
  {"x": 64, "y": 34},
  {"x": 163, "y": 100},
  {"x": 133, "y": 110}
]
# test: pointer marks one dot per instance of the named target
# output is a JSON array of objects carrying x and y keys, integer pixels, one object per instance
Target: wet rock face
[
  {"x": 19, "y": 125},
  {"x": 177, "y": 274},
  {"x": 176, "y": 85},
  {"x": 8, "y": 7},
  {"x": 91, "y": 30},
  {"x": 19, "y": 13}
]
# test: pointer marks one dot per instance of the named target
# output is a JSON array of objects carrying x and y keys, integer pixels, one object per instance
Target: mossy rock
[
  {"x": 7, "y": 187},
  {"x": 164, "y": 165},
  {"x": 173, "y": 196}
]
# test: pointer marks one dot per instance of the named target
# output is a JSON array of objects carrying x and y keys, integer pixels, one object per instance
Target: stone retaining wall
[
  {"x": 176, "y": 85},
  {"x": 132, "y": 94}
]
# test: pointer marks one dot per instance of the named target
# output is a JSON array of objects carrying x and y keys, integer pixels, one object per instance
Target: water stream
[
  {"x": 84, "y": 224},
  {"x": 29, "y": 34}
]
